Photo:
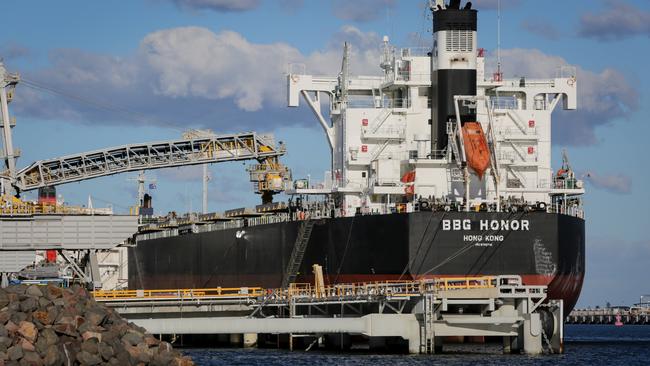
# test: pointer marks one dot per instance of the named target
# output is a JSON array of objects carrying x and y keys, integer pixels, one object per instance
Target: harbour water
[{"x": 584, "y": 344}]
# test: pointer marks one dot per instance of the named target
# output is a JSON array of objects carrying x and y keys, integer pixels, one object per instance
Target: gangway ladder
[
  {"x": 298, "y": 252},
  {"x": 426, "y": 330}
]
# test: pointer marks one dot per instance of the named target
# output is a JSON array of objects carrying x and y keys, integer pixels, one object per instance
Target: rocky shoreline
[{"x": 52, "y": 326}]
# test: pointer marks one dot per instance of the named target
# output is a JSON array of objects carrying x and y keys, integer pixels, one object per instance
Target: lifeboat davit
[{"x": 476, "y": 148}]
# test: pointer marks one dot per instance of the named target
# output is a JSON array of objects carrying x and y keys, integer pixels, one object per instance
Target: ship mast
[
  {"x": 499, "y": 74},
  {"x": 345, "y": 74}
]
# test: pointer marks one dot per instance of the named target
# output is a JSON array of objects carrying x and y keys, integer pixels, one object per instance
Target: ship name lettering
[
  {"x": 457, "y": 224},
  {"x": 514, "y": 225},
  {"x": 486, "y": 225}
]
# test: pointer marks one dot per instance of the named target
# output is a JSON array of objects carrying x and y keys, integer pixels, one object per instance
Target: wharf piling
[{"x": 418, "y": 315}]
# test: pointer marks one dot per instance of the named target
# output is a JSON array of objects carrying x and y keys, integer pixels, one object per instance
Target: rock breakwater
[{"x": 52, "y": 326}]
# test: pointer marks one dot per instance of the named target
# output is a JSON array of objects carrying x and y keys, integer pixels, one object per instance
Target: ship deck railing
[
  {"x": 362, "y": 101},
  {"x": 167, "y": 229},
  {"x": 575, "y": 211},
  {"x": 408, "y": 76}
]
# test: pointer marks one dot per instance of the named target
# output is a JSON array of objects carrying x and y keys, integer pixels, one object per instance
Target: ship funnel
[{"x": 453, "y": 68}]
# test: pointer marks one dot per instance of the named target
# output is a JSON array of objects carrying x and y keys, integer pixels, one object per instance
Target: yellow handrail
[
  {"x": 393, "y": 288},
  {"x": 179, "y": 293}
]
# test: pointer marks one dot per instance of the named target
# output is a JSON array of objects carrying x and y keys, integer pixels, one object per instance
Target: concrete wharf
[{"x": 420, "y": 314}]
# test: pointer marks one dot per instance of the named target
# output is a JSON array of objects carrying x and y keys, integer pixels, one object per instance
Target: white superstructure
[{"x": 380, "y": 130}]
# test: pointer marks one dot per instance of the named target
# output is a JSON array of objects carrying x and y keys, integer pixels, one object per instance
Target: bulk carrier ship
[{"x": 437, "y": 169}]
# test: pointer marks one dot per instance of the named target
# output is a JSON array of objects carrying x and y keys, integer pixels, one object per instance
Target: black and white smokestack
[{"x": 453, "y": 68}]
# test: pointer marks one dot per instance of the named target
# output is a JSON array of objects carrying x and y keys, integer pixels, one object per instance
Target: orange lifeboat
[{"x": 476, "y": 148}]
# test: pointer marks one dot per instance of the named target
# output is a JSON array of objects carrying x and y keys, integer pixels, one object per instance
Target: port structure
[
  {"x": 195, "y": 147},
  {"x": 420, "y": 313},
  {"x": 78, "y": 233},
  {"x": 145, "y": 156},
  {"x": 634, "y": 315}
]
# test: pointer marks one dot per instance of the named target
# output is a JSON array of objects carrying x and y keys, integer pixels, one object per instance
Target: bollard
[{"x": 532, "y": 334}]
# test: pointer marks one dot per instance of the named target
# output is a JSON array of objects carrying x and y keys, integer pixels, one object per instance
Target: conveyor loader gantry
[
  {"x": 163, "y": 154},
  {"x": 27, "y": 227},
  {"x": 196, "y": 147}
]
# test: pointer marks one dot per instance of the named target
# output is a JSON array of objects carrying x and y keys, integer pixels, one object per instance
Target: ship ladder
[
  {"x": 298, "y": 252},
  {"x": 454, "y": 145},
  {"x": 427, "y": 344}
]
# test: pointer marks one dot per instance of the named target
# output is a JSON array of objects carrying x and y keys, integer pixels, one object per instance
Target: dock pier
[
  {"x": 622, "y": 315},
  {"x": 419, "y": 315}
]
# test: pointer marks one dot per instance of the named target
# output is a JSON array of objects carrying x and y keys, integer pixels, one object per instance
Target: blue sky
[{"x": 218, "y": 64}]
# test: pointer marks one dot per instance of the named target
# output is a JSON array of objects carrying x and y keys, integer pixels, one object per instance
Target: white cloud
[
  {"x": 189, "y": 75},
  {"x": 196, "y": 62}
]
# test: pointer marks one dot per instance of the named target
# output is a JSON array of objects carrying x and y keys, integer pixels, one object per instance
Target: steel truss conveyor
[{"x": 134, "y": 157}]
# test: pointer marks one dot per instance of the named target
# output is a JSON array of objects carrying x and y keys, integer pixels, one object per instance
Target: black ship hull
[{"x": 543, "y": 248}]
